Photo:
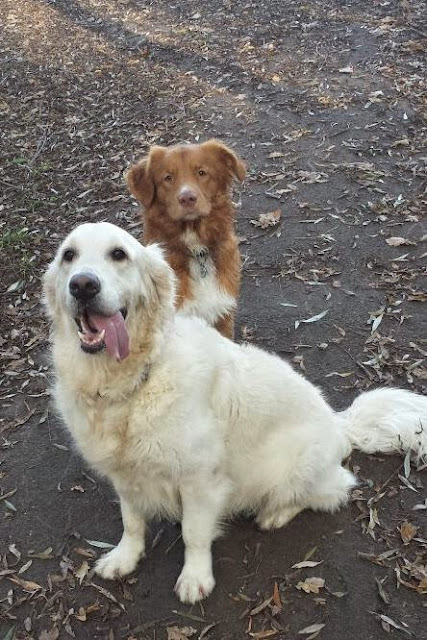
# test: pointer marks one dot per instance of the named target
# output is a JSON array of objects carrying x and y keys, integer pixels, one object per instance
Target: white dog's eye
[
  {"x": 68, "y": 255},
  {"x": 118, "y": 255}
]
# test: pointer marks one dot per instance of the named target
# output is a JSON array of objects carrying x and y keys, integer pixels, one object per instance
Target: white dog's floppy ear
[
  {"x": 49, "y": 287},
  {"x": 160, "y": 274}
]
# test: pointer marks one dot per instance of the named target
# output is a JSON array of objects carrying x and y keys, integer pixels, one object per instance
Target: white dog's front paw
[
  {"x": 194, "y": 585},
  {"x": 119, "y": 562}
]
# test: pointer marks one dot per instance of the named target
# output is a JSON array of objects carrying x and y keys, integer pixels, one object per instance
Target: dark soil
[{"x": 326, "y": 101}]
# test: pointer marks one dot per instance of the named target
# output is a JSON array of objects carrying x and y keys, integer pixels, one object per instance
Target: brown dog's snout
[
  {"x": 84, "y": 286},
  {"x": 187, "y": 198}
]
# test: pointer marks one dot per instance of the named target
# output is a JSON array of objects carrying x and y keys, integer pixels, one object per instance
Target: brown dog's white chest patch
[
  {"x": 201, "y": 264},
  {"x": 209, "y": 300}
]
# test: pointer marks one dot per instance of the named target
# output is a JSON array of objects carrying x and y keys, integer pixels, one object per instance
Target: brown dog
[{"x": 185, "y": 191}]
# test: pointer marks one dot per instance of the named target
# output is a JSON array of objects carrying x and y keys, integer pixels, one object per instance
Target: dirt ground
[{"x": 326, "y": 101}]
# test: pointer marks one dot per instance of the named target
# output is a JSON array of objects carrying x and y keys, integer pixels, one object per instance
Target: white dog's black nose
[{"x": 84, "y": 286}]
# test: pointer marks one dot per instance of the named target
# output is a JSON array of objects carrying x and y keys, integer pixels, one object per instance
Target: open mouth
[{"x": 97, "y": 333}]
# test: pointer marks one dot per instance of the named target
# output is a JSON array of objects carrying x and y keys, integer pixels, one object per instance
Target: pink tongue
[{"x": 116, "y": 336}]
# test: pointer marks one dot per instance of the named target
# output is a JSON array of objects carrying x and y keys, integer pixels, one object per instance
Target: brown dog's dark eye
[
  {"x": 69, "y": 255},
  {"x": 118, "y": 255},
  {"x": 168, "y": 178},
  {"x": 202, "y": 172}
]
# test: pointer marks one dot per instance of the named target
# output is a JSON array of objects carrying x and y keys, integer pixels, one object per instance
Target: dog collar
[
  {"x": 143, "y": 377},
  {"x": 201, "y": 254}
]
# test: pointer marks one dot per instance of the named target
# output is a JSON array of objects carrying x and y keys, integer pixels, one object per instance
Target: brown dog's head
[{"x": 185, "y": 180}]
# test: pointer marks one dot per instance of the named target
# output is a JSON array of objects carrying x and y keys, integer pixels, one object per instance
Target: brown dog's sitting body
[{"x": 185, "y": 191}]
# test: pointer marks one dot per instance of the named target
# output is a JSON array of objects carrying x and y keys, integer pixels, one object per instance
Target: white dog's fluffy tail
[{"x": 388, "y": 421}]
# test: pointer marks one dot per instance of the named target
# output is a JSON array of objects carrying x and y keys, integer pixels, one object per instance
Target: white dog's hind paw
[
  {"x": 268, "y": 520},
  {"x": 193, "y": 585},
  {"x": 116, "y": 563}
]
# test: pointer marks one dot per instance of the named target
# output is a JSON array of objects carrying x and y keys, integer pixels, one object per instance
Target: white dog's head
[{"x": 103, "y": 285}]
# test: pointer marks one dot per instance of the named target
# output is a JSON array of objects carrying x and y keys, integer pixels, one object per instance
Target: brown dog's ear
[
  {"x": 140, "y": 182},
  {"x": 235, "y": 165}
]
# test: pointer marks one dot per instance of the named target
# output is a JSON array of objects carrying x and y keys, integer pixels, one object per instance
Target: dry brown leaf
[
  {"x": 267, "y": 633},
  {"x": 407, "y": 531},
  {"x": 82, "y": 571},
  {"x": 84, "y": 611},
  {"x": 276, "y": 596},
  {"x": 268, "y": 219},
  {"x": 27, "y": 585}
]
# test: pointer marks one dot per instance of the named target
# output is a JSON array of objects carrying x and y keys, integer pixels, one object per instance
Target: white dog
[{"x": 185, "y": 423}]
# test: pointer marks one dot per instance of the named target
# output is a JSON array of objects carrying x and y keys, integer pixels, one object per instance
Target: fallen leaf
[
  {"x": 382, "y": 593},
  {"x": 313, "y": 628},
  {"x": 100, "y": 545},
  {"x": 407, "y": 464},
  {"x": 421, "y": 506},
  {"x": 180, "y": 633},
  {"x": 311, "y": 585},
  {"x": 260, "y": 607},
  {"x": 42, "y": 555},
  {"x": 13, "y": 549},
  {"x": 344, "y": 374},
  {"x": 407, "y": 531},
  {"x": 376, "y": 323},
  {"x": 391, "y": 622},
  {"x": 25, "y": 566},
  {"x": 26, "y": 585},
  {"x": 268, "y": 219},
  {"x": 52, "y": 634},
  {"x": 305, "y": 564},
  {"x": 10, "y": 634},
  {"x": 107, "y": 594},
  {"x": 77, "y": 487},
  {"x": 276, "y": 596},
  {"x": 8, "y": 495},
  {"x": 397, "y": 241},
  {"x": 82, "y": 571},
  {"x": 406, "y": 483},
  {"x": 315, "y": 318}
]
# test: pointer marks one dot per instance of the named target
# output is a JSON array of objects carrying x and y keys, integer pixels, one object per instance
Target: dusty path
[{"x": 326, "y": 102}]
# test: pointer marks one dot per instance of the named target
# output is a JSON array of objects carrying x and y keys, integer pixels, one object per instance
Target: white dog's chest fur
[
  {"x": 209, "y": 300},
  {"x": 144, "y": 438}
]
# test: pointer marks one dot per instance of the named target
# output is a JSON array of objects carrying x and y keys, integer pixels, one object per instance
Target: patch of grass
[
  {"x": 25, "y": 264},
  {"x": 13, "y": 239}
]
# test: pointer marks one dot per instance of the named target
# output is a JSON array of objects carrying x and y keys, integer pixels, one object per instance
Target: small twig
[
  {"x": 40, "y": 147},
  {"x": 359, "y": 364},
  {"x": 414, "y": 28},
  {"x": 384, "y": 484}
]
